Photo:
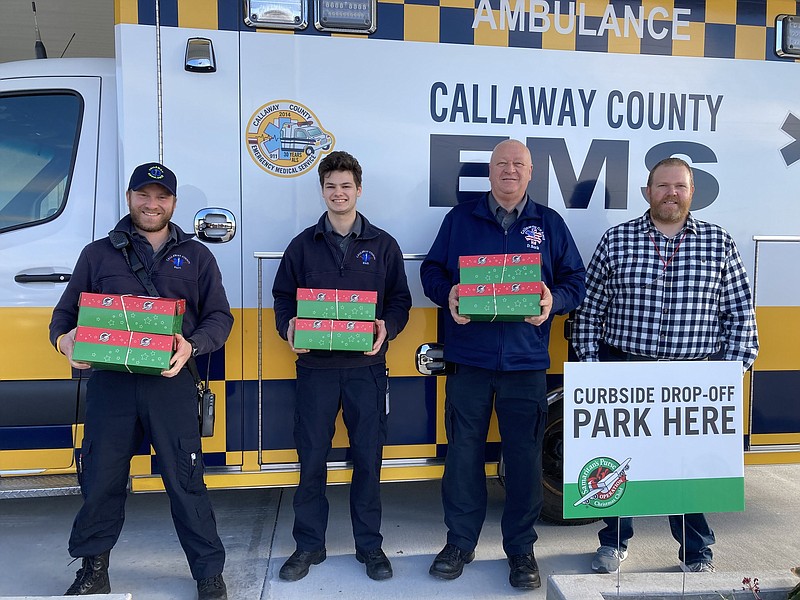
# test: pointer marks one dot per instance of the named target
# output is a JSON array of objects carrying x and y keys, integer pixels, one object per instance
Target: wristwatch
[{"x": 194, "y": 347}]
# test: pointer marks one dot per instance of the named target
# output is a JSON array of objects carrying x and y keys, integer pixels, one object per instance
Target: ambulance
[{"x": 419, "y": 91}]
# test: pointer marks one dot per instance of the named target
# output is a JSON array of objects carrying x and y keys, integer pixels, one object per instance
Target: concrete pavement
[{"x": 255, "y": 525}]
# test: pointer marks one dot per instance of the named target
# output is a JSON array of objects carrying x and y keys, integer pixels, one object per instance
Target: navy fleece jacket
[
  {"x": 184, "y": 268},
  {"x": 373, "y": 261},
  {"x": 470, "y": 229}
]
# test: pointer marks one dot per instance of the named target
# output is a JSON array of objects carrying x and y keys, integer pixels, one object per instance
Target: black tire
[
  {"x": 553, "y": 468},
  {"x": 309, "y": 150}
]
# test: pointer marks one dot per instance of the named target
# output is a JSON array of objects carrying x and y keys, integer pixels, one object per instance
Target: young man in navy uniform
[
  {"x": 342, "y": 251},
  {"x": 122, "y": 408}
]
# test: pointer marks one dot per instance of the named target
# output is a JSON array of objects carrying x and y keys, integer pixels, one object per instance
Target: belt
[{"x": 622, "y": 355}]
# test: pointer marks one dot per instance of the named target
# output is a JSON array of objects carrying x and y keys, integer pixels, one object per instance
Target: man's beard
[
  {"x": 149, "y": 225},
  {"x": 665, "y": 214}
]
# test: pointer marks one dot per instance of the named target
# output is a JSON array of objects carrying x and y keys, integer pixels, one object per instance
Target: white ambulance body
[{"x": 419, "y": 94}]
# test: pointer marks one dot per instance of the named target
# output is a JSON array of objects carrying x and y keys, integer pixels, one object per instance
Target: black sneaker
[
  {"x": 378, "y": 566},
  {"x": 212, "y": 588},
  {"x": 92, "y": 577},
  {"x": 449, "y": 563},
  {"x": 297, "y": 565},
  {"x": 524, "y": 571}
]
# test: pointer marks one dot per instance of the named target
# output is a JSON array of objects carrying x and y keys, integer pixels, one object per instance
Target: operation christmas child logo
[{"x": 601, "y": 482}]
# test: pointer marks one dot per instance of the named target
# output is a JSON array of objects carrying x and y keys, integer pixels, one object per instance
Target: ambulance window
[{"x": 38, "y": 140}]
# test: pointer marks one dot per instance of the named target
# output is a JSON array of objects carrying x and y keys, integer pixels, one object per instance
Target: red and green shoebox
[
  {"x": 343, "y": 305},
  {"x": 500, "y": 301},
  {"x": 330, "y": 334},
  {"x": 500, "y": 268},
  {"x": 119, "y": 350},
  {"x": 132, "y": 313}
]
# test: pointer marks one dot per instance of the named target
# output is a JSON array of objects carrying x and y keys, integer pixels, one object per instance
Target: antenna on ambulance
[
  {"x": 67, "y": 46},
  {"x": 39, "y": 46}
]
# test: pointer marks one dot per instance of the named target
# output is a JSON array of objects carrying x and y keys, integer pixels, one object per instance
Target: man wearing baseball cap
[{"x": 123, "y": 409}]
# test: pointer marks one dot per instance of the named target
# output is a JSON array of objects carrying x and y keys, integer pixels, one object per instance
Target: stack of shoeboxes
[
  {"x": 335, "y": 319},
  {"x": 127, "y": 333},
  {"x": 500, "y": 287}
]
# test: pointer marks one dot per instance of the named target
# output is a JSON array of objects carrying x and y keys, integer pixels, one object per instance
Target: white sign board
[{"x": 652, "y": 438}]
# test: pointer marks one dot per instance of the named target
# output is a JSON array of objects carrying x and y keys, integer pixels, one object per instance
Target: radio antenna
[
  {"x": 39, "y": 46},
  {"x": 67, "y": 46}
]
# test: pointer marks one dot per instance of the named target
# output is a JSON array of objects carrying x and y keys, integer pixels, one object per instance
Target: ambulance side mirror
[{"x": 430, "y": 359}]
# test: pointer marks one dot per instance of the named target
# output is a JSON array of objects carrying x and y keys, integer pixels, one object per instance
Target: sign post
[{"x": 653, "y": 438}]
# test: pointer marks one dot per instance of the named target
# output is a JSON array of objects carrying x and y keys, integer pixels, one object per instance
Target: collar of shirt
[
  {"x": 506, "y": 217},
  {"x": 358, "y": 225},
  {"x": 142, "y": 243},
  {"x": 647, "y": 226}
]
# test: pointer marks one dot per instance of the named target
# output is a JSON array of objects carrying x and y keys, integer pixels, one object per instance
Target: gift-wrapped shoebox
[
  {"x": 341, "y": 305},
  {"x": 500, "y": 301},
  {"x": 333, "y": 319},
  {"x": 127, "y": 333},
  {"x": 330, "y": 334},
  {"x": 500, "y": 268},
  {"x": 500, "y": 287}
]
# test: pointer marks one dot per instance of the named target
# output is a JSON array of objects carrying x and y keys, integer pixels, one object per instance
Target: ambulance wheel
[
  {"x": 553, "y": 468},
  {"x": 309, "y": 150}
]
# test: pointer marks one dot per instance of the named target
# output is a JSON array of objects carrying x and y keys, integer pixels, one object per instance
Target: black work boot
[
  {"x": 212, "y": 588},
  {"x": 92, "y": 577},
  {"x": 524, "y": 571},
  {"x": 449, "y": 563},
  {"x": 297, "y": 565}
]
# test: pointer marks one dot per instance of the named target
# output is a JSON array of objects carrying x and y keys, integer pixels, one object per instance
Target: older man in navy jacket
[{"x": 500, "y": 364}]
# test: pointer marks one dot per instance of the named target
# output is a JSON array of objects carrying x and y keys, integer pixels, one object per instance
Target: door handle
[{"x": 51, "y": 278}]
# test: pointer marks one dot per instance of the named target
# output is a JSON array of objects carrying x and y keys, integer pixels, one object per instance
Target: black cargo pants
[{"x": 121, "y": 408}]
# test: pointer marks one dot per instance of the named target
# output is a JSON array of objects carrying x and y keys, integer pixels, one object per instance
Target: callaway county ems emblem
[
  {"x": 178, "y": 261},
  {"x": 602, "y": 482},
  {"x": 286, "y": 139}
]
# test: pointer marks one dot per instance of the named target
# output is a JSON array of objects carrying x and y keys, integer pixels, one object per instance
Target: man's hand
[
  {"x": 452, "y": 302},
  {"x": 183, "y": 352},
  {"x": 546, "y": 303},
  {"x": 380, "y": 337},
  {"x": 66, "y": 345},
  {"x": 290, "y": 337}
]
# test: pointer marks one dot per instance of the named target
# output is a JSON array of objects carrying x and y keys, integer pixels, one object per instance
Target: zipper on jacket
[{"x": 335, "y": 254}]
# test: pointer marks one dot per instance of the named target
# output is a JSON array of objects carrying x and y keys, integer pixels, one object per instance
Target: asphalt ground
[{"x": 255, "y": 526}]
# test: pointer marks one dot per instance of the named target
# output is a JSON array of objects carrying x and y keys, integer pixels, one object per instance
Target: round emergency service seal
[
  {"x": 602, "y": 481},
  {"x": 286, "y": 139}
]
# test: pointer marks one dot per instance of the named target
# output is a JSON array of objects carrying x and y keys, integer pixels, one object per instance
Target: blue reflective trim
[
  {"x": 776, "y": 407},
  {"x": 36, "y": 438}
]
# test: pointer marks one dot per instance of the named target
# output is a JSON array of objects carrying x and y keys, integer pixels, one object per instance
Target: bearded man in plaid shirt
[{"x": 665, "y": 286}]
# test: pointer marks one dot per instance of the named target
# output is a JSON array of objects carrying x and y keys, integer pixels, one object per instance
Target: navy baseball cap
[{"x": 153, "y": 172}]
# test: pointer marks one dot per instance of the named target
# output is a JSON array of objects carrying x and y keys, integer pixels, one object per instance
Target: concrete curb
[{"x": 657, "y": 586}]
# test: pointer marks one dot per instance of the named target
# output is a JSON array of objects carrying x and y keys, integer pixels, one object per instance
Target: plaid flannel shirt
[{"x": 696, "y": 305}]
